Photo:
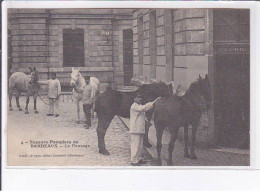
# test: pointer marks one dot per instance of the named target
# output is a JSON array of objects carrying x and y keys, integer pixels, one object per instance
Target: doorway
[
  {"x": 232, "y": 100},
  {"x": 73, "y": 48},
  {"x": 128, "y": 56}
]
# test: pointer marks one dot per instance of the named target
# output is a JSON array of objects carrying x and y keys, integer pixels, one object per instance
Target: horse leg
[
  {"x": 174, "y": 136},
  {"x": 193, "y": 140},
  {"x": 10, "y": 99},
  {"x": 159, "y": 132},
  {"x": 35, "y": 102},
  {"x": 103, "y": 124},
  {"x": 186, "y": 140},
  {"x": 92, "y": 111},
  {"x": 27, "y": 102},
  {"x": 147, "y": 126},
  {"x": 78, "y": 110},
  {"x": 17, "y": 100}
]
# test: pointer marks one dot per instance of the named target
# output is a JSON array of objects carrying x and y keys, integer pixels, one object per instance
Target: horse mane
[
  {"x": 157, "y": 88},
  {"x": 81, "y": 77},
  {"x": 192, "y": 86}
]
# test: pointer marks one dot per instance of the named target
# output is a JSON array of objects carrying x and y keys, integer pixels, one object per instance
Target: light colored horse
[
  {"x": 78, "y": 80},
  {"x": 20, "y": 82}
]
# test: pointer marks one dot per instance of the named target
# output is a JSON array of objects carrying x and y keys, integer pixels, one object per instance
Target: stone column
[{"x": 168, "y": 44}]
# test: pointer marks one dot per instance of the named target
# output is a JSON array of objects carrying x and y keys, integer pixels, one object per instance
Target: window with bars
[
  {"x": 73, "y": 48},
  {"x": 231, "y": 25}
]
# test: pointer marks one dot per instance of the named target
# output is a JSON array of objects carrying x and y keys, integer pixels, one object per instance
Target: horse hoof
[
  {"x": 104, "y": 152},
  {"x": 159, "y": 162},
  {"x": 20, "y": 109},
  {"x": 36, "y": 112},
  {"x": 26, "y": 112},
  {"x": 193, "y": 157},
  {"x": 147, "y": 144},
  {"x": 169, "y": 162},
  {"x": 10, "y": 109}
]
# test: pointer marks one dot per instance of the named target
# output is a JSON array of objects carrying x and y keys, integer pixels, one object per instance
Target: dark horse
[
  {"x": 112, "y": 102},
  {"x": 20, "y": 82},
  {"x": 175, "y": 112}
]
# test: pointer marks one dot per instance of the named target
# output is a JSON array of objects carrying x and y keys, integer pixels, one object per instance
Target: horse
[
  {"x": 78, "y": 80},
  {"x": 20, "y": 82},
  {"x": 112, "y": 102},
  {"x": 175, "y": 112}
]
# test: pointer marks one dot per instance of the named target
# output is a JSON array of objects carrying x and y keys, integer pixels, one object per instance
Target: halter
[
  {"x": 199, "y": 104},
  {"x": 73, "y": 78}
]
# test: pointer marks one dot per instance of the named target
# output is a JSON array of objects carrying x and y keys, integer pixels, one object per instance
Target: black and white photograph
[{"x": 133, "y": 87}]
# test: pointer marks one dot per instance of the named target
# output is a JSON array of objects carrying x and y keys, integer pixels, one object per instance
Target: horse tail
[
  {"x": 11, "y": 82},
  {"x": 97, "y": 103}
]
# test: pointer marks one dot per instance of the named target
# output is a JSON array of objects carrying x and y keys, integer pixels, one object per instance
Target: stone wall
[
  {"x": 193, "y": 32},
  {"x": 119, "y": 26},
  {"x": 177, "y": 46},
  {"x": 157, "y": 40},
  {"x": 28, "y": 39},
  {"x": 37, "y": 40}
]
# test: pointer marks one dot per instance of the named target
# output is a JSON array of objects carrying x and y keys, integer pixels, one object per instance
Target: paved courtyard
[
  {"x": 206, "y": 157},
  {"x": 24, "y": 128},
  {"x": 77, "y": 146}
]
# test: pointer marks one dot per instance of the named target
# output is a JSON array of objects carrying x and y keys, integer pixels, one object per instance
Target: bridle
[
  {"x": 73, "y": 78},
  {"x": 199, "y": 104},
  {"x": 32, "y": 79}
]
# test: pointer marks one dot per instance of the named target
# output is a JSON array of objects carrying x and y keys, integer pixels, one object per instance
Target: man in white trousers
[
  {"x": 137, "y": 128},
  {"x": 54, "y": 91}
]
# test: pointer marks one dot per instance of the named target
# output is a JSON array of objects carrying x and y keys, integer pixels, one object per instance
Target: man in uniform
[
  {"x": 54, "y": 91},
  {"x": 137, "y": 128},
  {"x": 87, "y": 100}
]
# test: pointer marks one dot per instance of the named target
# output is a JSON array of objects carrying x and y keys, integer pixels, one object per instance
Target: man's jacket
[{"x": 137, "y": 117}]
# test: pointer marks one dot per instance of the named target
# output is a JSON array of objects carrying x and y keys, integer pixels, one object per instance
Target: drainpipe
[
  {"x": 113, "y": 62},
  {"x": 47, "y": 42}
]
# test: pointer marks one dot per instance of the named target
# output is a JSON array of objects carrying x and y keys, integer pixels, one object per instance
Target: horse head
[
  {"x": 74, "y": 76},
  {"x": 205, "y": 88},
  {"x": 154, "y": 90},
  {"x": 34, "y": 75}
]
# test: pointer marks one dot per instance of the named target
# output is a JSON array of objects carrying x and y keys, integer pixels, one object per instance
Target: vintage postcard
[{"x": 128, "y": 87}]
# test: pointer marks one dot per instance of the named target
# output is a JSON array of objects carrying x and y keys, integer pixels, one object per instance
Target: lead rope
[{"x": 46, "y": 102}]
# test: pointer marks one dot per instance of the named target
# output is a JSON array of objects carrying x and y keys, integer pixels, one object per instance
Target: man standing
[
  {"x": 137, "y": 128},
  {"x": 54, "y": 91},
  {"x": 87, "y": 100}
]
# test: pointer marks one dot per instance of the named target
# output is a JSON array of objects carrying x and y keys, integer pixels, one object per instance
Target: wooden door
[{"x": 232, "y": 100}]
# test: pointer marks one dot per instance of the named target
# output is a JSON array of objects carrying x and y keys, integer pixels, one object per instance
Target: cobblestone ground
[
  {"x": 205, "y": 157},
  {"x": 23, "y": 128}
]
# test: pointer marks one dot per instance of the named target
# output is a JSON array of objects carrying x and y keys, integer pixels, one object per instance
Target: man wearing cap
[
  {"x": 137, "y": 128},
  {"x": 87, "y": 100},
  {"x": 54, "y": 91}
]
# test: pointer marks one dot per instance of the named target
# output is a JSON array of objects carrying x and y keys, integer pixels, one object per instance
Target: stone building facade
[
  {"x": 55, "y": 40},
  {"x": 180, "y": 44}
]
